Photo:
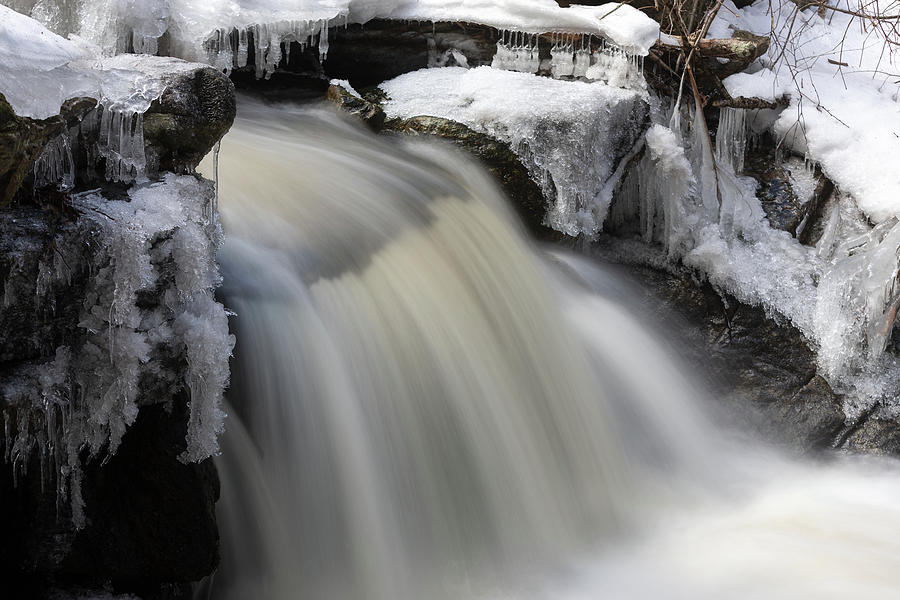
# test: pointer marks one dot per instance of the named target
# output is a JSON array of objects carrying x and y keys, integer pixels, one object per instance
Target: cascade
[{"x": 425, "y": 407}]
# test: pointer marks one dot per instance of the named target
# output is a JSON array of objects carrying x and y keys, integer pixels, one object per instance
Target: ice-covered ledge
[
  {"x": 73, "y": 118},
  {"x": 114, "y": 352}
]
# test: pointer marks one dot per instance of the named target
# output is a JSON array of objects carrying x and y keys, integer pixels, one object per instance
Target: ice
[
  {"x": 220, "y": 31},
  {"x": 121, "y": 144},
  {"x": 842, "y": 295},
  {"x": 55, "y": 165},
  {"x": 562, "y": 60},
  {"x": 517, "y": 51},
  {"x": 616, "y": 67},
  {"x": 569, "y": 134},
  {"x": 731, "y": 138},
  {"x": 82, "y": 402},
  {"x": 26, "y": 44},
  {"x": 34, "y": 76},
  {"x": 227, "y": 49},
  {"x": 582, "y": 58}
]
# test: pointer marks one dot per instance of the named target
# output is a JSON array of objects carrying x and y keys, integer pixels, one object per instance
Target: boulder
[
  {"x": 496, "y": 156},
  {"x": 194, "y": 111},
  {"x": 760, "y": 369},
  {"x": 368, "y": 112}
]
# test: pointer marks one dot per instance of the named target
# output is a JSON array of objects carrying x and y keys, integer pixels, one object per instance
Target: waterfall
[{"x": 426, "y": 406}]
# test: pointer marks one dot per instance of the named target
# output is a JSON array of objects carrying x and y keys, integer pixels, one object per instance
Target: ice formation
[
  {"x": 517, "y": 51},
  {"x": 136, "y": 319},
  {"x": 731, "y": 138},
  {"x": 55, "y": 165},
  {"x": 571, "y": 135},
  {"x": 227, "y": 32},
  {"x": 840, "y": 75},
  {"x": 580, "y": 56},
  {"x": 124, "y": 85},
  {"x": 842, "y": 294}
]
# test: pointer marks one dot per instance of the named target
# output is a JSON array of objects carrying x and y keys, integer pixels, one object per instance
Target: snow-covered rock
[{"x": 571, "y": 135}]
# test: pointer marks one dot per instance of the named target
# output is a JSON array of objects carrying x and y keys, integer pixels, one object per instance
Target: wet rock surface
[
  {"x": 194, "y": 111},
  {"x": 762, "y": 369},
  {"x": 380, "y": 50},
  {"x": 149, "y": 524},
  {"x": 369, "y": 113}
]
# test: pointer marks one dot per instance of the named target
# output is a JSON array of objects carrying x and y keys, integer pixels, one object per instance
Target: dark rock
[
  {"x": 761, "y": 369},
  {"x": 875, "y": 435},
  {"x": 153, "y": 515},
  {"x": 283, "y": 86},
  {"x": 193, "y": 113},
  {"x": 783, "y": 208},
  {"x": 151, "y": 519},
  {"x": 810, "y": 419},
  {"x": 369, "y": 113},
  {"x": 22, "y": 140},
  {"x": 380, "y": 50},
  {"x": 495, "y": 156}
]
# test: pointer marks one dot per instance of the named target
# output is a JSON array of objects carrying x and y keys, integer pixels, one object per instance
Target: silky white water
[{"x": 426, "y": 406}]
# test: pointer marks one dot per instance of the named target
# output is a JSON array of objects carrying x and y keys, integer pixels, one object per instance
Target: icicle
[
  {"x": 214, "y": 209},
  {"x": 323, "y": 40},
  {"x": 561, "y": 57},
  {"x": 55, "y": 165},
  {"x": 582, "y": 59},
  {"x": 121, "y": 143},
  {"x": 731, "y": 138},
  {"x": 240, "y": 59}
]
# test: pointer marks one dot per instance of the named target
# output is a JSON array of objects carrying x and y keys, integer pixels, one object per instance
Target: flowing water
[{"x": 424, "y": 405}]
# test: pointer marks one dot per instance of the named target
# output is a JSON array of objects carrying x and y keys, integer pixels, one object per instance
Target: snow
[
  {"x": 34, "y": 76},
  {"x": 763, "y": 84},
  {"x": 844, "y": 117},
  {"x": 343, "y": 83},
  {"x": 621, "y": 24},
  {"x": 26, "y": 44},
  {"x": 569, "y": 134}
]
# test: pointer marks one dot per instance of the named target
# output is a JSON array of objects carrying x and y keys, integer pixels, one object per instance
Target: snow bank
[
  {"x": 569, "y": 134},
  {"x": 842, "y": 82}
]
